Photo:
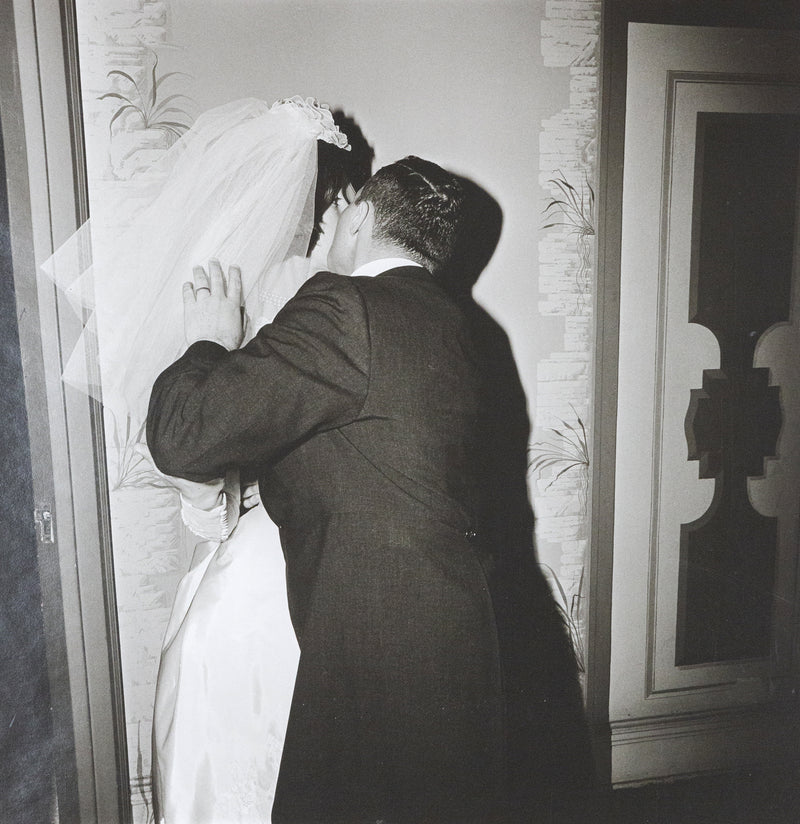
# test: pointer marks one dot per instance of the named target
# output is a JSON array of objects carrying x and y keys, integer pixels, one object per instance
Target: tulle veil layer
[{"x": 239, "y": 187}]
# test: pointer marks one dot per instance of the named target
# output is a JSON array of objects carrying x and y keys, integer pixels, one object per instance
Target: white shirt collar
[{"x": 376, "y": 267}]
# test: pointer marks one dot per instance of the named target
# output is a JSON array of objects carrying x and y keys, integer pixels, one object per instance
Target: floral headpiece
[{"x": 319, "y": 117}]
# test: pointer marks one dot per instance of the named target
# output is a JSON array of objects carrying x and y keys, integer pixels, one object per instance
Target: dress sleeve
[
  {"x": 276, "y": 288},
  {"x": 306, "y": 372},
  {"x": 218, "y": 523}
]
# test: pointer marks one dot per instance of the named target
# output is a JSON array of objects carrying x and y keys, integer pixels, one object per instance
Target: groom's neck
[{"x": 382, "y": 250}]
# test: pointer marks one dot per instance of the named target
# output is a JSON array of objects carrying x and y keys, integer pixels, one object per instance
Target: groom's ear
[
  {"x": 362, "y": 228},
  {"x": 362, "y": 216}
]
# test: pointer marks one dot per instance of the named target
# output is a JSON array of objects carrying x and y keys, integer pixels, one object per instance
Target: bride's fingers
[
  {"x": 216, "y": 280},
  {"x": 249, "y": 501},
  {"x": 250, "y": 495},
  {"x": 235, "y": 283}
]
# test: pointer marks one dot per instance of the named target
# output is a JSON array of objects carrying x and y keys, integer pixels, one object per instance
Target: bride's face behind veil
[{"x": 328, "y": 223}]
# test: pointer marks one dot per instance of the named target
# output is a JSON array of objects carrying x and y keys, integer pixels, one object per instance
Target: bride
[
  {"x": 262, "y": 187},
  {"x": 230, "y": 656}
]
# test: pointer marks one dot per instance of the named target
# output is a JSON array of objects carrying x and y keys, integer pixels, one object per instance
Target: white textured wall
[{"x": 504, "y": 92}]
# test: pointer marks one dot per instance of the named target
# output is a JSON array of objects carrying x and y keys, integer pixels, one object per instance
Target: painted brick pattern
[{"x": 567, "y": 145}]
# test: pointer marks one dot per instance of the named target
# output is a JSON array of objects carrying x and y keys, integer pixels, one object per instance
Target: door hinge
[{"x": 45, "y": 529}]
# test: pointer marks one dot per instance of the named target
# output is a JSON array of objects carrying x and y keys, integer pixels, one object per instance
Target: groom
[{"x": 358, "y": 409}]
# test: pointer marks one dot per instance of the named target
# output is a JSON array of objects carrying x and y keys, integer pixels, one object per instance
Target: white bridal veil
[{"x": 238, "y": 186}]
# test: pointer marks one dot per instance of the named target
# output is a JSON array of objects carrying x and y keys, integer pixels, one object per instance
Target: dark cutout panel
[{"x": 743, "y": 239}]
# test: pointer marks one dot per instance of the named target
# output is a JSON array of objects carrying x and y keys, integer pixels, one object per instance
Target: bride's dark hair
[{"x": 338, "y": 168}]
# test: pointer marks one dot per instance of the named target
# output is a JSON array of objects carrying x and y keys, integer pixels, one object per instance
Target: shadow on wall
[{"x": 539, "y": 667}]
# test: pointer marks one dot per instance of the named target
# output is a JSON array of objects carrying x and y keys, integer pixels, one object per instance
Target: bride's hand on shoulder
[{"x": 212, "y": 306}]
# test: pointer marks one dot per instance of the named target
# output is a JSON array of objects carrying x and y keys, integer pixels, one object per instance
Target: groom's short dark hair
[{"x": 418, "y": 207}]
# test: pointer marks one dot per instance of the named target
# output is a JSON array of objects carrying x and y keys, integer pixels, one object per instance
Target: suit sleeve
[{"x": 304, "y": 373}]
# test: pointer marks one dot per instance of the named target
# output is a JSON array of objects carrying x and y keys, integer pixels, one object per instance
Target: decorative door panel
[{"x": 707, "y": 487}]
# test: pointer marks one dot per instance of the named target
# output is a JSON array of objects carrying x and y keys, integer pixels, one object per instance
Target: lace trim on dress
[{"x": 218, "y": 523}]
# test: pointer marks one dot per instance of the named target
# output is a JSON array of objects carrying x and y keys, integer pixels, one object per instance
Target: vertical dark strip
[
  {"x": 75, "y": 109},
  {"x": 26, "y": 738}
]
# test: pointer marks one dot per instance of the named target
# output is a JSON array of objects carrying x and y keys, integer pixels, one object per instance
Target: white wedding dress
[
  {"x": 238, "y": 186},
  {"x": 225, "y": 681}
]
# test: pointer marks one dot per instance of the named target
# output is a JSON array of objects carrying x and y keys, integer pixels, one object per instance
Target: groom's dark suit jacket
[{"x": 358, "y": 408}]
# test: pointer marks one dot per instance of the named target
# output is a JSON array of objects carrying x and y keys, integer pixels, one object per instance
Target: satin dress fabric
[{"x": 225, "y": 681}]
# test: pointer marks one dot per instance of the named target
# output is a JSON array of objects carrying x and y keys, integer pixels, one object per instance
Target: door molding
[
  {"x": 40, "y": 111},
  {"x": 616, "y": 16}
]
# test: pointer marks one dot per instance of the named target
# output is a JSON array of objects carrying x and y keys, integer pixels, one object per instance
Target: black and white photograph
[{"x": 400, "y": 412}]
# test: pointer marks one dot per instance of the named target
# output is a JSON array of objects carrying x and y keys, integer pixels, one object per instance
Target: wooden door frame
[
  {"x": 40, "y": 113},
  {"x": 617, "y": 14}
]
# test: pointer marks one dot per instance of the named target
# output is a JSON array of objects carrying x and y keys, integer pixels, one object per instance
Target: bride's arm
[
  {"x": 215, "y": 519},
  {"x": 210, "y": 509}
]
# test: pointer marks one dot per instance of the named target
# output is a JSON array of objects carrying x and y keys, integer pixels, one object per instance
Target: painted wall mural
[{"x": 133, "y": 113}]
